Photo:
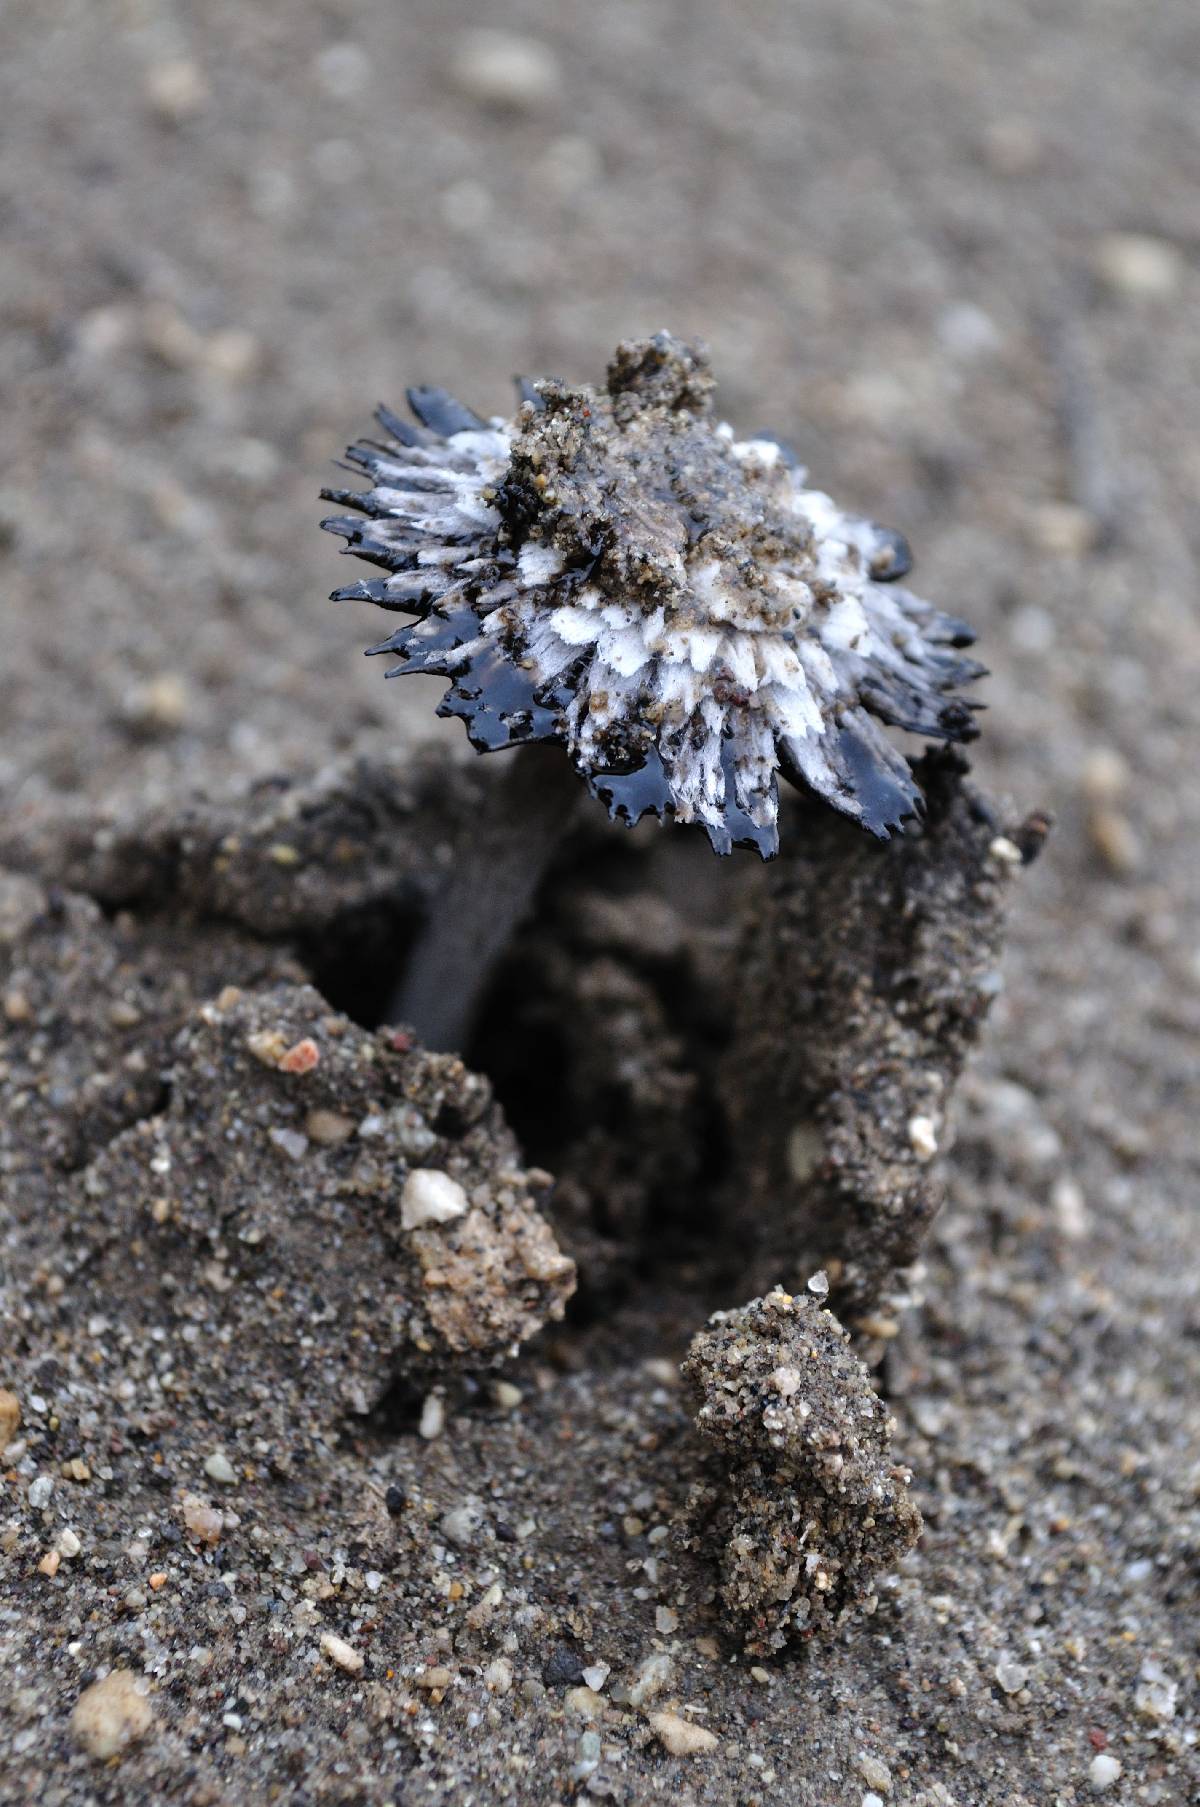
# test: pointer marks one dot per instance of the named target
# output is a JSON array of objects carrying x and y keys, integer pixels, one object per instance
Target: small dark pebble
[
  {"x": 563, "y": 1668},
  {"x": 395, "y": 1499},
  {"x": 1032, "y": 834}
]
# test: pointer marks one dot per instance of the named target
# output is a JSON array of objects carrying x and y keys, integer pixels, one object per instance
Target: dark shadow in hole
[
  {"x": 528, "y": 1051},
  {"x": 357, "y": 963}
]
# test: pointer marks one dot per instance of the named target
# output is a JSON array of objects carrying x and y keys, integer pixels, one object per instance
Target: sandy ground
[{"x": 954, "y": 252}]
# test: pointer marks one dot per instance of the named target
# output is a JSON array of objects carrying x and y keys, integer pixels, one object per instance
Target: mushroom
[{"x": 616, "y": 571}]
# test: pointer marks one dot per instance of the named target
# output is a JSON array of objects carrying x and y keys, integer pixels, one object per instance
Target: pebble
[
  {"x": 344, "y": 1655},
  {"x": 329, "y": 1128},
  {"x": 871, "y": 1799},
  {"x": 1113, "y": 836},
  {"x": 1004, "y": 851},
  {"x": 10, "y": 1416},
  {"x": 585, "y": 1703},
  {"x": 460, "y": 1526},
  {"x": 289, "y": 1142},
  {"x": 111, "y": 1715},
  {"x": 681, "y": 1737},
  {"x": 1070, "y": 1208},
  {"x": 267, "y": 1045},
  {"x": 1103, "y": 1771},
  {"x": 433, "y": 1417},
  {"x": 498, "y": 1676},
  {"x": 505, "y": 1395},
  {"x": 218, "y": 1467},
  {"x": 505, "y": 70},
  {"x": 49, "y": 1564},
  {"x": 563, "y": 1667},
  {"x": 176, "y": 90},
  {"x": 818, "y": 1284},
  {"x": 1011, "y": 1676},
  {"x": 595, "y": 1675},
  {"x": 201, "y": 1520},
  {"x": 1155, "y": 1694},
  {"x": 590, "y": 1752},
  {"x": 1138, "y": 266},
  {"x": 874, "y": 1773},
  {"x": 430, "y": 1196},
  {"x": 652, "y": 1677},
  {"x": 922, "y": 1137},
  {"x": 160, "y": 705},
  {"x": 435, "y": 1680},
  {"x": 301, "y": 1058},
  {"x": 69, "y": 1544},
  {"x": 40, "y": 1491}
]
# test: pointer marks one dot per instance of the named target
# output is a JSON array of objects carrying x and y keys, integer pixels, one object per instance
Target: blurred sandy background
[{"x": 953, "y": 250}]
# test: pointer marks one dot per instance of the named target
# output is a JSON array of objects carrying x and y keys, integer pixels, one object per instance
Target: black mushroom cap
[{"x": 614, "y": 569}]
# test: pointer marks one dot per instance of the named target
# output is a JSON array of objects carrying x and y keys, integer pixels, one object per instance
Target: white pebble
[
  {"x": 680, "y": 1737},
  {"x": 922, "y": 1138},
  {"x": 218, "y": 1467},
  {"x": 595, "y": 1675},
  {"x": 341, "y": 1653},
  {"x": 111, "y": 1715},
  {"x": 1011, "y": 1676},
  {"x": 40, "y": 1491},
  {"x": 460, "y": 1526},
  {"x": 1070, "y": 1208},
  {"x": 652, "y": 1677},
  {"x": 68, "y": 1544},
  {"x": 176, "y": 90},
  {"x": 1103, "y": 1771},
  {"x": 433, "y": 1417},
  {"x": 430, "y": 1196},
  {"x": 1138, "y": 266},
  {"x": 1156, "y": 1693},
  {"x": 818, "y": 1284},
  {"x": 289, "y": 1142},
  {"x": 504, "y": 69}
]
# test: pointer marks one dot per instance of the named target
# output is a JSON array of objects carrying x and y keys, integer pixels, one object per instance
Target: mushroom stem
[{"x": 491, "y": 887}]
